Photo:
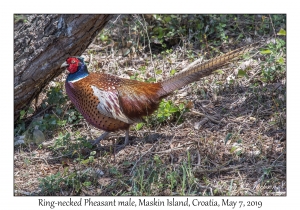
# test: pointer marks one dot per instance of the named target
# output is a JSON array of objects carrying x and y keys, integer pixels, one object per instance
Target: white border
[{"x": 153, "y": 6}]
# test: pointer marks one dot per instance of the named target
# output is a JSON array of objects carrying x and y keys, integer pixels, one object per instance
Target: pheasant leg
[
  {"x": 100, "y": 138},
  {"x": 105, "y": 134},
  {"x": 126, "y": 137},
  {"x": 126, "y": 140}
]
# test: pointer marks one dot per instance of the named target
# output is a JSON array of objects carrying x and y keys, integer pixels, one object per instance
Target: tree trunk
[{"x": 42, "y": 44}]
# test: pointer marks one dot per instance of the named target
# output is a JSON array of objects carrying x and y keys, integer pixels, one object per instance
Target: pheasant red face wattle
[{"x": 72, "y": 64}]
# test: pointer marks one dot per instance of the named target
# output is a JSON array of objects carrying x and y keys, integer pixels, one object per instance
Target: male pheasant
[{"x": 111, "y": 103}]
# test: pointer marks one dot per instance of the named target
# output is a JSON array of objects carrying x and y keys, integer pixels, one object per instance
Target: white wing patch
[{"x": 109, "y": 105}]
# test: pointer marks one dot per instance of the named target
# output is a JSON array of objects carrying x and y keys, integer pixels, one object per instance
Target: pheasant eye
[{"x": 72, "y": 61}]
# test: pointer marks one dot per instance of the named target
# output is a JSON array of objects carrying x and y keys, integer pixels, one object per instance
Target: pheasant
[{"x": 111, "y": 103}]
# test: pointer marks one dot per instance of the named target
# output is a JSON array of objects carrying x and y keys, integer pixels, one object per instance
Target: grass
[{"x": 224, "y": 135}]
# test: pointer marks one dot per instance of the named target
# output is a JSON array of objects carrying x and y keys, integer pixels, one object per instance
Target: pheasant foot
[{"x": 126, "y": 140}]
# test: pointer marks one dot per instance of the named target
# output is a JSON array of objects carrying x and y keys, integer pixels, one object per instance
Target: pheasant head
[{"x": 76, "y": 67}]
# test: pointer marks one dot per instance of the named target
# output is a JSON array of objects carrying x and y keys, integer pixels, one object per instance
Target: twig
[
  {"x": 258, "y": 181},
  {"x": 207, "y": 188},
  {"x": 58, "y": 157},
  {"x": 215, "y": 170},
  {"x": 199, "y": 157},
  {"x": 173, "y": 149},
  {"x": 151, "y": 59},
  {"x": 205, "y": 115},
  {"x": 273, "y": 164},
  {"x": 33, "y": 116},
  {"x": 256, "y": 73},
  {"x": 91, "y": 58},
  {"x": 40, "y": 158},
  {"x": 141, "y": 158},
  {"x": 272, "y": 26},
  {"x": 116, "y": 19}
]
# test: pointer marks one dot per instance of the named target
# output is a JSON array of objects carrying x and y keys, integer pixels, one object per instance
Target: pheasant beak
[{"x": 64, "y": 65}]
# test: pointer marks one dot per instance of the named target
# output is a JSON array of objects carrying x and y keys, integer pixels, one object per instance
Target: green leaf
[
  {"x": 30, "y": 110},
  {"x": 181, "y": 106},
  {"x": 266, "y": 51},
  {"x": 167, "y": 19},
  {"x": 103, "y": 37},
  {"x": 282, "y": 32},
  {"x": 280, "y": 60},
  {"x": 151, "y": 79},
  {"x": 127, "y": 163},
  {"x": 168, "y": 114},
  {"x": 53, "y": 122},
  {"x": 167, "y": 105},
  {"x": 233, "y": 149},
  {"x": 156, "y": 17},
  {"x": 173, "y": 71},
  {"x": 159, "y": 31},
  {"x": 228, "y": 137},
  {"x": 272, "y": 122},
  {"x": 58, "y": 110},
  {"x": 22, "y": 113},
  {"x": 84, "y": 162},
  {"x": 174, "y": 109},
  {"x": 61, "y": 122},
  {"x": 91, "y": 159},
  {"x": 242, "y": 73},
  {"x": 158, "y": 72},
  {"x": 139, "y": 126},
  {"x": 219, "y": 71},
  {"x": 87, "y": 183},
  {"x": 238, "y": 152},
  {"x": 267, "y": 171},
  {"x": 113, "y": 170}
]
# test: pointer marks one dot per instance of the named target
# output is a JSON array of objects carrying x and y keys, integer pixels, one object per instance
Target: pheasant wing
[{"x": 109, "y": 105}]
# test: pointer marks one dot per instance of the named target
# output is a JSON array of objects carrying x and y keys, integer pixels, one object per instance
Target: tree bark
[{"x": 42, "y": 44}]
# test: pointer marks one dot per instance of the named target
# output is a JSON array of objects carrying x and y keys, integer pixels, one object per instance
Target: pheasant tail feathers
[{"x": 200, "y": 70}]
